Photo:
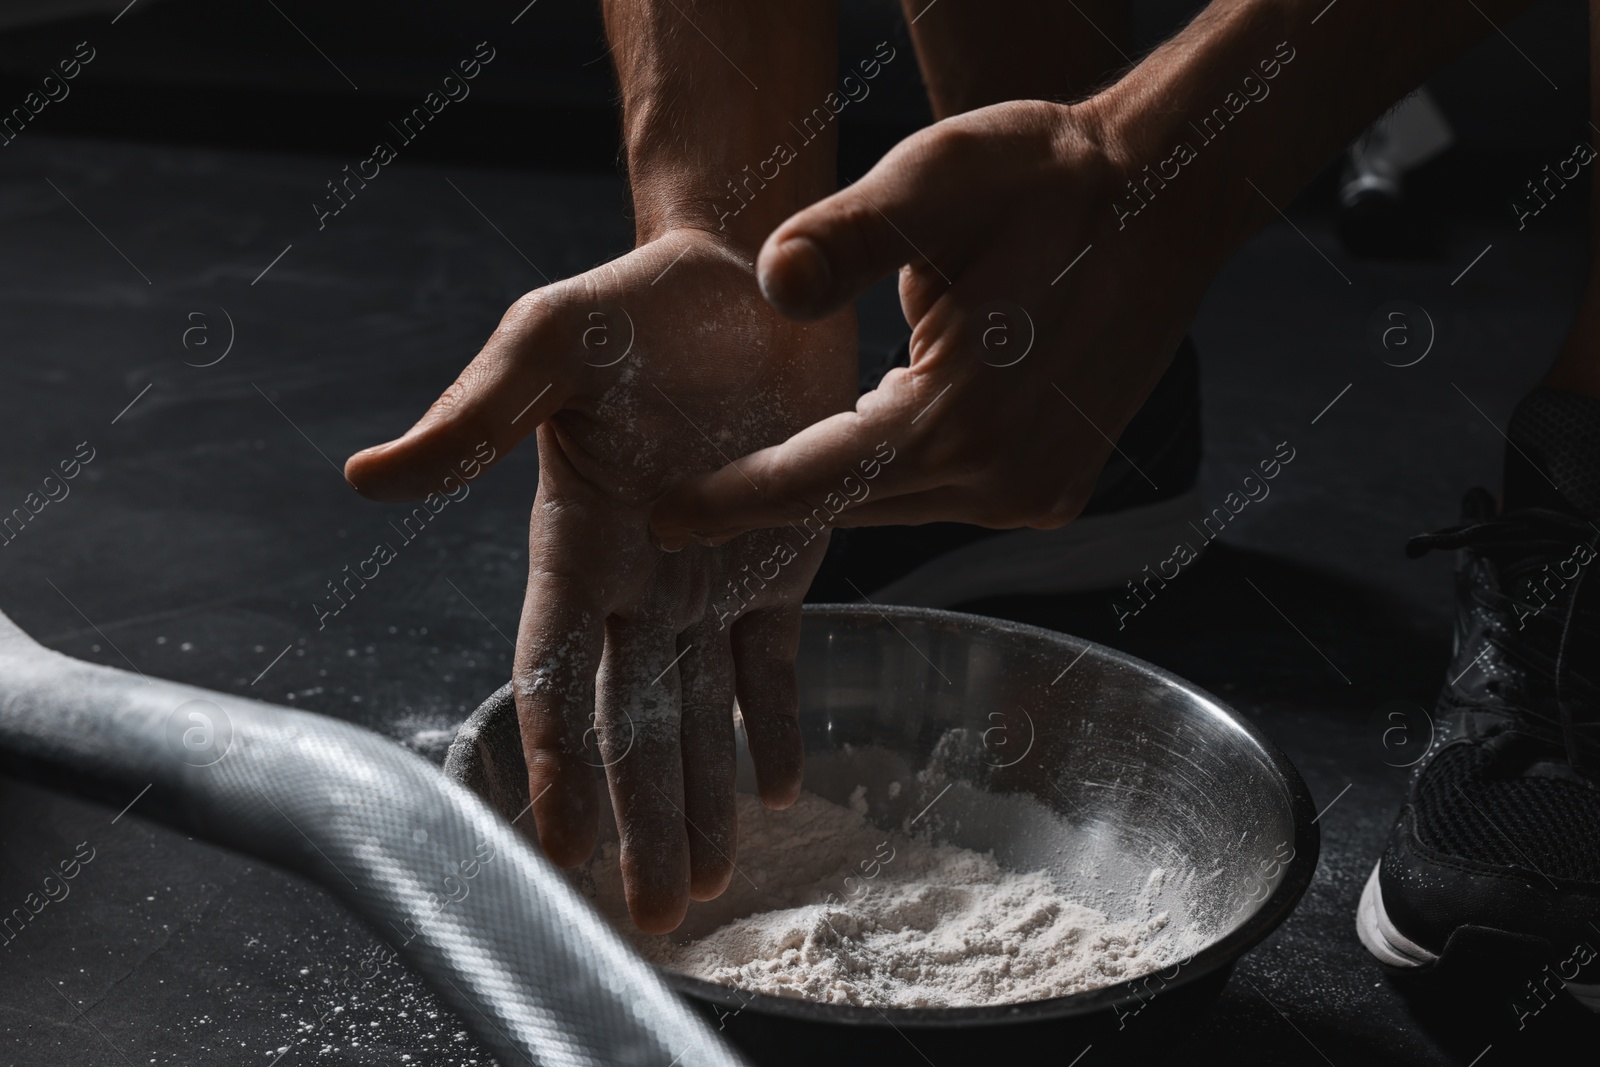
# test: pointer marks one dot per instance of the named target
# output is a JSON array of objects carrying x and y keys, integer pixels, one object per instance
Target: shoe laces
[{"x": 1530, "y": 538}]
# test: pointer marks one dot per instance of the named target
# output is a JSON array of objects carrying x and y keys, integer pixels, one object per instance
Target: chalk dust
[{"x": 828, "y": 907}]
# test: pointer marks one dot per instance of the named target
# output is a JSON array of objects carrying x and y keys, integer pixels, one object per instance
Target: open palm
[{"x": 662, "y": 364}]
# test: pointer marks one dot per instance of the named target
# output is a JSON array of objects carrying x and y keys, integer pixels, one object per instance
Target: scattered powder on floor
[{"x": 828, "y": 907}]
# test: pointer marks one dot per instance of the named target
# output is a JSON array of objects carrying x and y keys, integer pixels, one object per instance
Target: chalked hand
[
  {"x": 1041, "y": 319},
  {"x": 661, "y": 364}
]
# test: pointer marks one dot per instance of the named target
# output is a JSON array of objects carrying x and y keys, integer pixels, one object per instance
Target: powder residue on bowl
[{"x": 826, "y": 906}]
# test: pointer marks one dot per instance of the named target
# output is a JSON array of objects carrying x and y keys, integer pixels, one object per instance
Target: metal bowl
[{"x": 1065, "y": 755}]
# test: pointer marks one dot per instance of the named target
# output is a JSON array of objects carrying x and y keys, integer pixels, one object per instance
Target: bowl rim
[{"x": 1297, "y": 873}]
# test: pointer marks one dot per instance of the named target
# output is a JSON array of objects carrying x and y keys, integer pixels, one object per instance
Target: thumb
[
  {"x": 521, "y": 377},
  {"x": 833, "y": 251}
]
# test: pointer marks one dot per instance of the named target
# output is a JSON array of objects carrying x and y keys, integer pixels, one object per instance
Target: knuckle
[
  {"x": 455, "y": 396},
  {"x": 953, "y": 139},
  {"x": 858, "y": 228},
  {"x": 1030, "y": 502},
  {"x": 535, "y": 326},
  {"x": 1060, "y": 507},
  {"x": 544, "y": 725},
  {"x": 1057, "y": 514},
  {"x": 526, "y": 310},
  {"x": 1024, "y": 499},
  {"x": 769, "y": 478},
  {"x": 968, "y": 457},
  {"x": 959, "y": 453}
]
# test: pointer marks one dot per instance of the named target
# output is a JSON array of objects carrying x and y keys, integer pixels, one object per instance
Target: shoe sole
[
  {"x": 1399, "y": 953},
  {"x": 1097, "y": 552},
  {"x": 1381, "y": 937}
]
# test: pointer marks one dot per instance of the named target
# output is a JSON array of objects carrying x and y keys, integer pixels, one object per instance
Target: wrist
[
  {"x": 729, "y": 112},
  {"x": 1226, "y": 122},
  {"x": 1179, "y": 171},
  {"x": 738, "y": 197}
]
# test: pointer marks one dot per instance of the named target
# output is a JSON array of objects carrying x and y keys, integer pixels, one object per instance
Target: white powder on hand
[{"x": 824, "y": 905}]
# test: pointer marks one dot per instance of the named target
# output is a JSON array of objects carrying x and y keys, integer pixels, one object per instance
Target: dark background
[{"x": 184, "y": 161}]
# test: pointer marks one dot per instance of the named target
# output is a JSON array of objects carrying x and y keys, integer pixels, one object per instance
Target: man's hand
[
  {"x": 1051, "y": 257},
  {"x": 662, "y": 364},
  {"x": 1038, "y": 329}
]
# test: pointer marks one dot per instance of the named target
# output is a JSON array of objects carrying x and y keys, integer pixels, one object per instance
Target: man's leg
[
  {"x": 1496, "y": 852},
  {"x": 1554, "y": 454},
  {"x": 1577, "y": 367}
]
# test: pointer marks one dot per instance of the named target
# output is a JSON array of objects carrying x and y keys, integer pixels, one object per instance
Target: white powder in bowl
[{"x": 826, "y": 906}]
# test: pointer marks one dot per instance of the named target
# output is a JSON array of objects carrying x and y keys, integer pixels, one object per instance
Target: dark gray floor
[{"x": 212, "y": 514}]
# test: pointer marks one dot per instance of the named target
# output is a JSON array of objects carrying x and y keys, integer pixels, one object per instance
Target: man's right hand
[
  {"x": 1052, "y": 256},
  {"x": 1039, "y": 326}
]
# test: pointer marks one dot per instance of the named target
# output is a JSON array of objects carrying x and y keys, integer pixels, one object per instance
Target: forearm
[
  {"x": 715, "y": 94},
  {"x": 1282, "y": 95},
  {"x": 974, "y": 53}
]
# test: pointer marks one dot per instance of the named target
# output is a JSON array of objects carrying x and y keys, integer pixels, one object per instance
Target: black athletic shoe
[
  {"x": 1143, "y": 503},
  {"x": 1496, "y": 854}
]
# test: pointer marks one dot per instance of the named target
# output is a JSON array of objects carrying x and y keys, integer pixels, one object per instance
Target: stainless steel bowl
[{"x": 1064, "y": 754}]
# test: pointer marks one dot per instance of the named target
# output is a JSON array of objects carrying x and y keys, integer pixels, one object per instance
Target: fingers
[
  {"x": 945, "y": 504},
  {"x": 764, "y": 646},
  {"x": 706, "y": 670},
  {"x": 637, "y": 703},
  {"x": 522, "y": 376},
  {"x": 558, "y": 651},
  {"x": 810, "y": 479},
  {"x": 899, "y": 212}
]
